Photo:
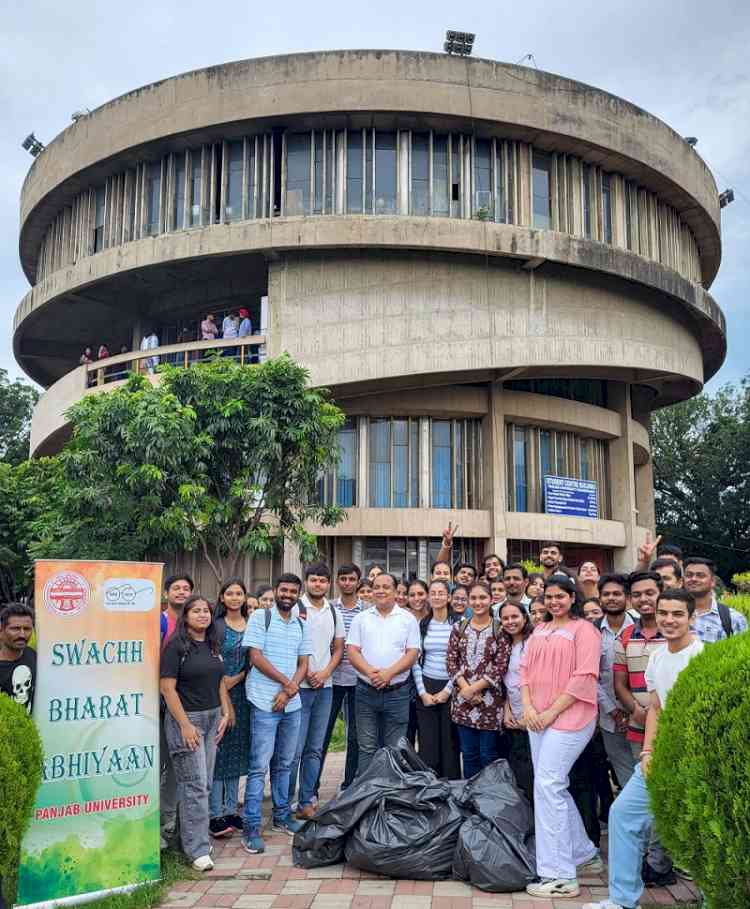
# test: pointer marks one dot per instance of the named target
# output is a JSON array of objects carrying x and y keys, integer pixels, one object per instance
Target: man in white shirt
[
  {"x": 630, "y": 818},
  {"x": 326, "y": 630},
  {"x": 382, "y": 646}
]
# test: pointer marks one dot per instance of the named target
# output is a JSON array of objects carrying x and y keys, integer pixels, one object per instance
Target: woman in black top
[{"x": 198, "y": 713}]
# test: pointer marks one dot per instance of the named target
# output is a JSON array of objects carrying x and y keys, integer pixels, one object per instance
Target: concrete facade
[{"x": 479, "y": 332}]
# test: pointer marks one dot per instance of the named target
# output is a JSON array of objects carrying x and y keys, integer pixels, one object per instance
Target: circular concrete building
[{"x": 500, "y": 274}]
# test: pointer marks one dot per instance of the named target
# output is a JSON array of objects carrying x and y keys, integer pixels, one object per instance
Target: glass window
[
  {"x": 512, "y": 158},
  {"x": 442, "y": 475},
  {"x": 394, "y": 463},
  {"x": 153, "y": 192},
  {"x": 420, "y": 174},
  {"x": 396, "y": 555},
  {"x": 179, "y": 191},
  {"x": 195, "y": 188},
  {"x": 455, "y": 176},
  {"x": 607, "y": 208},
  {"x": 440, "y": 190},
  {"x": 385, "y": 173},
  {"x": 629, "y": 200},
  {"x": 519, "y": 468},
  {"x": 585, "y": 475},
  {"x": 483, "y": 206},
  {"x": 131, "y": 211},
  {"x": 500, "y": 200},
  {"x": 318, "y": 173},
  {"x": 587, "y": 391},
  {"x": 339, "y": 486},
  {"x": 541, "y": 187},
  {"x": 233, "y": 206},
  {"x": 297, "y": 174},
  {"x": 586, "y": 176},
  {"x": 545, "y": 452},
  {"x": 354, "y": 173},
  {"x": 99, "y": 219}
]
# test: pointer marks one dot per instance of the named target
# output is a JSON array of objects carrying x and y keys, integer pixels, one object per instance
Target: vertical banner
[{"x": 95, "y": 825}]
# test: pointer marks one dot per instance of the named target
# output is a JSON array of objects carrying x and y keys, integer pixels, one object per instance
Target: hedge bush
[
  {"x": 742, "y": 581},
  {"x": 738, "y": 601},
  {"x": 20, "y": 774},
  {"x": 699, "y": 780}
]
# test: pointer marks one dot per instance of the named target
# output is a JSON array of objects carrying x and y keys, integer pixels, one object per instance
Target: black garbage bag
[
  {"x": 493, "y": 794},
  {"x": 495, "y": 849},
  {"x": 492, "y": 860},
  {"x": 394, "y": 770},
  {"x": 407, "y": 837}
]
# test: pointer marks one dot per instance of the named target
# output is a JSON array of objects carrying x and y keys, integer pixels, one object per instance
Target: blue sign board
[{"x": 566, "y": 495}]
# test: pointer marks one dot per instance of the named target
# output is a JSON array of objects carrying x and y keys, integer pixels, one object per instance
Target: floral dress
[
  {"x": 234, "y": 748},
  {"x": 478, "y": 655}
]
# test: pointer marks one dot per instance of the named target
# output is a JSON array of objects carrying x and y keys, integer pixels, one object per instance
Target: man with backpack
[
  {"x": 713, "y": 621},
  {"x": 280, "y": 647},
  {"x": 326, "y": 632}
]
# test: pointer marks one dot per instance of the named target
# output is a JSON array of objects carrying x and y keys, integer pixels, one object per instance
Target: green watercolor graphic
[{"x": 129, "y": 855}]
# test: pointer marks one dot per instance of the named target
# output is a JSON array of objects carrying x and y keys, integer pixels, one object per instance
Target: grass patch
[
  {"x": 338, "y": 737},
  {"x": 174, "y": 867}
]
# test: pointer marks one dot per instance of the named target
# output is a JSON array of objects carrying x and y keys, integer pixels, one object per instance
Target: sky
[{"x": 686, "y": 61}]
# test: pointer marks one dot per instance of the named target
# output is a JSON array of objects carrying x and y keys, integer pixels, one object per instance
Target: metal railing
[{"x": 245, "y": 351}]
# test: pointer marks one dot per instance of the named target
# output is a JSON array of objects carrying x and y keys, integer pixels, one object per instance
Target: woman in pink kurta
[{"x": 559, "y": 672}]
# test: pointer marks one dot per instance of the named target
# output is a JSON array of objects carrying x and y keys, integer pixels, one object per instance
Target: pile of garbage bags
[{"x": 399, "y": 819}]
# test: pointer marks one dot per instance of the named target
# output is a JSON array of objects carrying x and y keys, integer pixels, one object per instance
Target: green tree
[
  {"x": 220, "y": 458},
  {"x": 17, "y": 400},
  {"x": 701, "y": 457},
  {"x": 30, "y": 494}
]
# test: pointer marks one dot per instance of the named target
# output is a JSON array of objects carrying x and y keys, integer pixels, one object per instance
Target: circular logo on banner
[{"x": 67, "y": 593}]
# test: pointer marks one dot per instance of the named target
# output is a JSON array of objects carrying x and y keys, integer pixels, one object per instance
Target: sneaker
[
  {"x": 203, "y": 863},
  {"x": 220, "y": 826},
  {"x": 253, "y": 843},
  {"x": 593, "y": 866},
  {"x": 235, "y": 822},
  {"x": 286, "y": 825},
  {"x": 554, "y": 887}
]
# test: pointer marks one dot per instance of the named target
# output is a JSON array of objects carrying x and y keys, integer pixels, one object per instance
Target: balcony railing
[{"x": 244, "y": 351}]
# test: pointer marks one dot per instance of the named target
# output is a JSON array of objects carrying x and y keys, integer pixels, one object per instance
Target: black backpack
[{"x": 725, "y": 614}]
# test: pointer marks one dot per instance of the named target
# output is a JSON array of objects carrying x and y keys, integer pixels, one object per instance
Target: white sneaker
[
  {"x": 203, "y": 863},
  {"x": 593, "y": 866},
  {"x": 554, "y": 887}
]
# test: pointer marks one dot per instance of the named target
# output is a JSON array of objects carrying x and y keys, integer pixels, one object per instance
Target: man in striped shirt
[{"x": 344, "y": 677}]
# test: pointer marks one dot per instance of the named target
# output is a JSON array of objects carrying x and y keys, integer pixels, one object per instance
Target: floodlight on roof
[
  {"x": 726, "y": 197},
  {"x": 32, "y": 145},
  {"x": 692, "y": 141},
  {"x": 79, "y": 114},
  {"x": 460, "y": 43}
]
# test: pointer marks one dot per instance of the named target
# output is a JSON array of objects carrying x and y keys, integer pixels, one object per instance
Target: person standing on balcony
[
  {"x": 149, "y": 342},
  {"x": 230, "y": 329},
  {"x": 209, "y": 328},
  {"x": 246, "y": 326}
]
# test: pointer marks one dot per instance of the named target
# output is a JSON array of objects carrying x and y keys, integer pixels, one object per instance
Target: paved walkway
[{"x": 230, "y": 885}]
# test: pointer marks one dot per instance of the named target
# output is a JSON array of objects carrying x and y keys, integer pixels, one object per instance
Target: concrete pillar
[
  {"x": 423, "y": 567},
  {"x": 291, "y": 561},
  {"x": 622, "y": 477},
  {"x": 358, "y": 551},
  {"x": 494, "y": 472},
  {"x": 424, "y": 463}
]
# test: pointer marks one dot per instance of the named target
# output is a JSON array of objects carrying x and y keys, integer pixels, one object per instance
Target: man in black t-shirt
[{"x": 17, "y": 659}]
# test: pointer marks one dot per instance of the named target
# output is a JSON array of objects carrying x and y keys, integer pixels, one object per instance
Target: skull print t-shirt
[{"x": 18, "y": 677}]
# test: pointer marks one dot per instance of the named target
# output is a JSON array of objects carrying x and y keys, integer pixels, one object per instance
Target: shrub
[
  {"x": 699, "y": 780},
  {"x": 20, "y": 774},
  {"x": 738, "y": 601},
  {"x": 742, "y": 581},
  {"x": 531, "y": 566}
]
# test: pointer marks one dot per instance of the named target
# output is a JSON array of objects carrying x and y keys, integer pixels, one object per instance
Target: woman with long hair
[
  {"x": 417, "y": 599},
  {"x": 517, "y": 625},
  {"x": 264, "y": 596},
  {"x": 478, "y": 656},
  {"x": 438, "y": 743},
  {"x": 198, "y": 713},
  {"x": 230, "y": 620},
  {"x": 460, "y": 602},
  {"x": 559, "y": 672}
]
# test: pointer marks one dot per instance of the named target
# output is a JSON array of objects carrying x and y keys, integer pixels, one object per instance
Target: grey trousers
[
  {"x": 657, "y": 856},
  {"x": 194, "y": 772},
  {"x": 620, "y": 755},
  {"x": 167, "y": 785}
]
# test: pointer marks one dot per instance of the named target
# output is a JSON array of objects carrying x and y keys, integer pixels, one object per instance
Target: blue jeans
[
  {"x": 273, "y": 743},
  {"x": 224, "y": 797},
  {"x": 479, "y": 747},
  {"x": 316, "y": 709},
  {"x": 630, "y": 821},
  {"x": 382, "y": 719}
]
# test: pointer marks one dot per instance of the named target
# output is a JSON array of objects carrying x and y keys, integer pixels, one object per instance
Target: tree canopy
[
  {"x": 701, "y": 457},
  {"x": 220, "y": 458},
  {"x": 17, "y": 400}
]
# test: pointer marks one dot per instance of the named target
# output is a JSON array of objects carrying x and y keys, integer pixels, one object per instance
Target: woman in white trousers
[{"x": 559, "y": 671}]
